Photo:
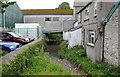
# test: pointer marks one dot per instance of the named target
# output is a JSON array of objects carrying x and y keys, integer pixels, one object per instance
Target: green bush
[
  {"x": 77, "y": 55},
  {"x": 22, "y": 61},
  {"x": 2, "y": 52},
  {"x": 44, "y": 65},
  {"x": 63, "y": 50},
  {"x": 57, "y": 36},
  {"x": 34, "y": 62}
]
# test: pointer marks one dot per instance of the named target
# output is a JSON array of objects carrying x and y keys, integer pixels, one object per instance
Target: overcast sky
[{"x": 41, "y": 4}]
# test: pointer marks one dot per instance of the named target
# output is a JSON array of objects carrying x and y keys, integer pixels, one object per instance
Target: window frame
[
  {"x": 55, "y": 18},
  {"x": 91, "y": 37},
  {"x": 48, "y": 19}
]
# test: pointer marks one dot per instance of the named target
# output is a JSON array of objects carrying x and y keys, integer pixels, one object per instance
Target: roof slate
[{"x": 48, "y": 11}]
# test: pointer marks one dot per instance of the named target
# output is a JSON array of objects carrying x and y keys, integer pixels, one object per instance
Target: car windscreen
[{"x": 14, "y": 34}]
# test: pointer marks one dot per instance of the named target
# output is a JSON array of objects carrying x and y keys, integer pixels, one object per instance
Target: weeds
[
  {"x": 22, "y": 61},
  {"x": 34, "y": 62},
  {"x": 77, "y": 56},
  {"x": 44, "y": 65}
]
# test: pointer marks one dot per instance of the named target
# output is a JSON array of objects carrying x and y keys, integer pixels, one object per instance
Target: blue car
[{"x": 9, "y": 46}]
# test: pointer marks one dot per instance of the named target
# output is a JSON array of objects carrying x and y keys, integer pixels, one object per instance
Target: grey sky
[{"x": 41, "y": 4}]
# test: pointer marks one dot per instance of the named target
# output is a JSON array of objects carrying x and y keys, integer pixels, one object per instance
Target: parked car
[
  {"x": 11, "y": 36},
  {"x": 8, "y": 46}
]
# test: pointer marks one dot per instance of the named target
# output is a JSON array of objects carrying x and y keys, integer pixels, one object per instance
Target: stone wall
[
  {"x": 111, "y": 40},
  {"x": 11, "y": 55},
  {"x": 119, "y": 37}
]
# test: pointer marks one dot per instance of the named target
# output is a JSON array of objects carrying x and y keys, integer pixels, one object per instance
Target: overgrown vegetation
[
  {"x": 55, "y": 38},
  {"x": 34, "y": 62},
  {"x": 22, "y": 61},
  {"x": 1, "y": 52},
  {"x": 78, "y": 57},
  {"x": 44, "y": 65}
]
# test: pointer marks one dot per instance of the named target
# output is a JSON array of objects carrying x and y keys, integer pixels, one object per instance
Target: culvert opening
[
  {"x": 54, "y": 38},
  {"x": 53, "y": 42}
]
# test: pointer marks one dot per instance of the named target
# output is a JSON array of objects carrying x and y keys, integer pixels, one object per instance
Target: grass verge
[
  {"x": 77, "y": 56},
  {"x": 34, "y": 62}
]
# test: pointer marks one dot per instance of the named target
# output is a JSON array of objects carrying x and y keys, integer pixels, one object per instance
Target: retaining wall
[{"x": 11, "y": 55}]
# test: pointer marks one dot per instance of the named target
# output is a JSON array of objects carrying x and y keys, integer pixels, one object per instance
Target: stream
[{"x": 53, "y": 49}]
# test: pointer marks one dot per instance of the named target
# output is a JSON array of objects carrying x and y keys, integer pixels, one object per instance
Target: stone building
[
  {"x": 51, "y": 20},
  {"x": 100, "y": 44},
  {"x": 112, "y": 37}
]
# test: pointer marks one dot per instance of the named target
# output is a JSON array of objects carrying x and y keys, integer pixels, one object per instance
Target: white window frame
[
  {"x": 86, "y": 13},
  {"x": 95, "y": 9},
  {"x": 91, "y": 38}
]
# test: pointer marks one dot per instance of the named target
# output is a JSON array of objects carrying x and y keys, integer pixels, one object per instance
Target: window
[
  {"x": 13, "y": 34},
  {"x": 95, "y": 9},
  {"x": 47, "y": 19},
  {"x": 5, "y": 35},
  {"x": 52, "y": 19},
  {"x": 86, "y": 13},
  {"x": 91, "y": 37},
  {"x": 55, "y": 18}
]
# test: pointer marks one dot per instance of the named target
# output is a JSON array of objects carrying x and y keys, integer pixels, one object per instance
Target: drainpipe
[{"x": 103, "y": 42}]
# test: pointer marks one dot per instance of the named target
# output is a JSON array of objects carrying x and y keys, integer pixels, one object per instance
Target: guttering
[
  {"x": 85, "y": 7},
  {"x": 104, "y": 22}
]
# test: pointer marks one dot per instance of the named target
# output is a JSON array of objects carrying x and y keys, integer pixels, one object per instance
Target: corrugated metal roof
[{"x": 48, "y": 11}]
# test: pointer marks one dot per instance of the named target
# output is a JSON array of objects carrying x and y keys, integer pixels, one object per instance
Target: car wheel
[
  {"x": 21, "y": 44},
  {"x": 6, "y": 50}
]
